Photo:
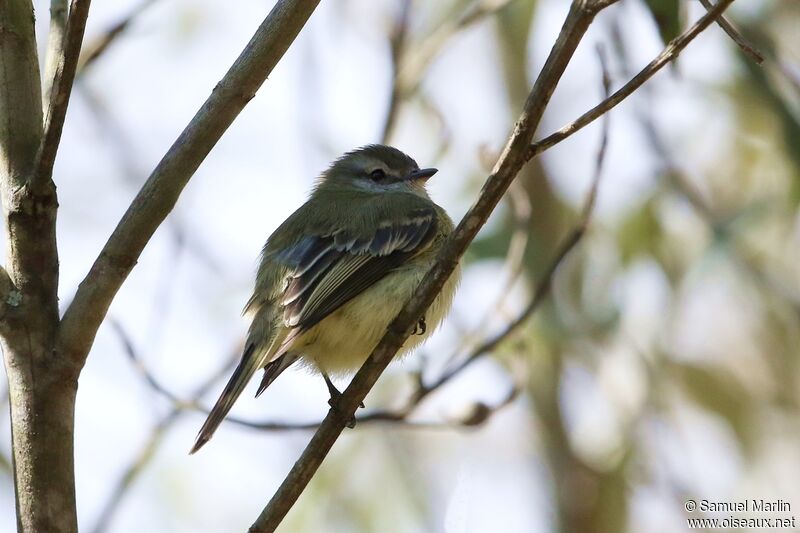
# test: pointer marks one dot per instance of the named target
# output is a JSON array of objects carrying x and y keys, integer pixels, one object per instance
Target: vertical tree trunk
[
  {"x": 42, "y": 421},
  {"x": 42, "y": 385}
]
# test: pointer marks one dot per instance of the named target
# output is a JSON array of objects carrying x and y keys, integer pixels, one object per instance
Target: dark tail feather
[
  {"x": 236, "y": 384},
  {"x": 273, "y": 370}
]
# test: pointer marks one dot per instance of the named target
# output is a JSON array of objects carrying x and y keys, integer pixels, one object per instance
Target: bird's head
[{"x": 377, "y": 168}]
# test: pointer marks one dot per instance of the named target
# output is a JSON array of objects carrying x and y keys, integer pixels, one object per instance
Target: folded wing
[{"x": 332, "y": 269}]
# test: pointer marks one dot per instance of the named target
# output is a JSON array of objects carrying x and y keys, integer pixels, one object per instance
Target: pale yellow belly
[{"x": 343, "y": 340}]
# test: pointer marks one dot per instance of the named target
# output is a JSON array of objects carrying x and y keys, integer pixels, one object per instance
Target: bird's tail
[
  {"x": 255, "y": 356},
  {"x": 274, "y": 369},
  {"x": 236, "y": 384}
]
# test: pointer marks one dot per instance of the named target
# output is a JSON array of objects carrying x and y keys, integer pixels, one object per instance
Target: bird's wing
[
  {"x": 329, "y": 270},
  {"x": 322, "y": 272}
]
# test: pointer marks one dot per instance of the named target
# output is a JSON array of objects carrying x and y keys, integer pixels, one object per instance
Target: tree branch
[
  {"x": 20, "y": 97},
  {"x": 411, "y": 67},
  {"x": 397, "y": 44},
  {"x": 32, "y": 259},
  {"x": 148, "y": 450},
  {"x": 96, "y": 48},
  {"x": 746, "y": 48},
  {"x": 670, "y": 53},
  {"x": 55, "y": 43},
  {"x": 41, "y": 388},
  {"x": 422, "y": 390},
  {"x": 63, "y": 66},
  {"x": 513, "y": 157},
  {"x": 542, "y": 288},
  {"x": 160, "y": 193}
]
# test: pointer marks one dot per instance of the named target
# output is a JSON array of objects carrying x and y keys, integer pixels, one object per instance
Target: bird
[{"x": 338, "y": 270}]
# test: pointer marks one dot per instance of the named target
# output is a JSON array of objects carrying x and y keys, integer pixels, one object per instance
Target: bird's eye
[{"x": 377, "y": 175}]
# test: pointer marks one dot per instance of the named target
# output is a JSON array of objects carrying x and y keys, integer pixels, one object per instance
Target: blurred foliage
[
  {"x": 668, "y": 16},
  {"x": 680, "y": 313},
  {"x": 665, "y": 363}
]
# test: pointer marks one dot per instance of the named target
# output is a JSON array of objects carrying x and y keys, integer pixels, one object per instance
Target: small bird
[{"x": 337, "y": 271}]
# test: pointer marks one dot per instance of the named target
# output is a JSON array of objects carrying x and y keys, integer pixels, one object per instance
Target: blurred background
[{"x": 662, "y": 366}]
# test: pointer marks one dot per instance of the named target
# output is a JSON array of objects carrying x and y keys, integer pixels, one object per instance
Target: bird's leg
[
  {"x": 421, "y": 327},
  {"x": 335, "y": 396}
]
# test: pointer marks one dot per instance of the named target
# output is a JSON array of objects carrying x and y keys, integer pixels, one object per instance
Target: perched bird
[{"x": 338, "y": 270}]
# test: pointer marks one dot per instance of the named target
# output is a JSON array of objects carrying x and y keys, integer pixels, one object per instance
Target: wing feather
[{"x": 327, "y": 271}]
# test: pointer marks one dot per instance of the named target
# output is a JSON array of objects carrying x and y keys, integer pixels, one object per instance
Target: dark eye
[{"x": 377, "y": 175}]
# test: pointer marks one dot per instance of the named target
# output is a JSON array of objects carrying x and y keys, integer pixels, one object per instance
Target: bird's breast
[{"x": 341, "y": 342}]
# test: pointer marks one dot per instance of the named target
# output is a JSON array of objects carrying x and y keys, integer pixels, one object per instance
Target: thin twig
[
  {"x": 413, "y": 65},
  {"x": 65, "y": 63},
  {"x": 514, "y": 263},
  {"x": 130, "y": 351},
  {"x": 672, "y": 50},
  {"x": 161, "y": 191},
  {"x": 399, "y": 418},
  {"x": 397, "y": 45},
  {"x": 132, "y": 472},
  {"x": 128, "y": 159},
  {"x": 543, "y": 286},
  {"x": 717, "y": 222},
  {"x": 93, "y": 50},
  {"x": 513, "y": 157},
  {"x": 148, "y": 450},
  {"x": 747, "y": 48}
]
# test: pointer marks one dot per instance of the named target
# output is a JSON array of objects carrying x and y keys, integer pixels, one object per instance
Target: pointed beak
[{"x": 422, "y": 174}]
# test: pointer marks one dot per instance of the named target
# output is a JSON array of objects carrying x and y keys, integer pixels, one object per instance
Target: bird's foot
[
  {"x": 335, "y": 398},
  {"x": 421, "y": 327}
]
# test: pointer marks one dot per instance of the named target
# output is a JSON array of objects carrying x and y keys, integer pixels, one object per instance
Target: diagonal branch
[
  {"x": 513, "y": 157},
  {"x": 746, "y": 48},
  {"x": 62, "y": 65},
  {"x": 672, "y": 50},
  {"x": 151, "y": 446},
  {"x": 96, "y": 48},
  {"x": 423, "y": 390},
  {"x": 162, "y": 189},
  {"x": 413, "y": 65},
  {"x": 542, "y": 288}
]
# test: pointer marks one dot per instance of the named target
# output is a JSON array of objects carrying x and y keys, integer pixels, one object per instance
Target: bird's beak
[{"x": 422, "y": 174}]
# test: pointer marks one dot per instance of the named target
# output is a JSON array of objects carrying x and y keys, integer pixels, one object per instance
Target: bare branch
[
  {"x": 130, "y": 351},
  {"x": 128, "y": 159},
  {"x": 409, "y": 64},
  {"x": 41, "y": 389},
  {"x": 159, "y": 195},
  {"x": 410, "y": 70},
  {"x": 670, "y": 53},
  {"x": 180, "y": 405},
  {"x": 543, "y": 286},
  {"x": 20, "y": 97},
  {"x": 513, "y": 157},
  {"x": 148, "y": 450},
  {"x": 55, "y": 44},
  {"x": 520, "y": 205},
  {"x": 93, "y": 50},
  {"x": 397, "y": 44},
  {"x": 746, "y": 48},
  {"x": 63, "y": 66}
]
